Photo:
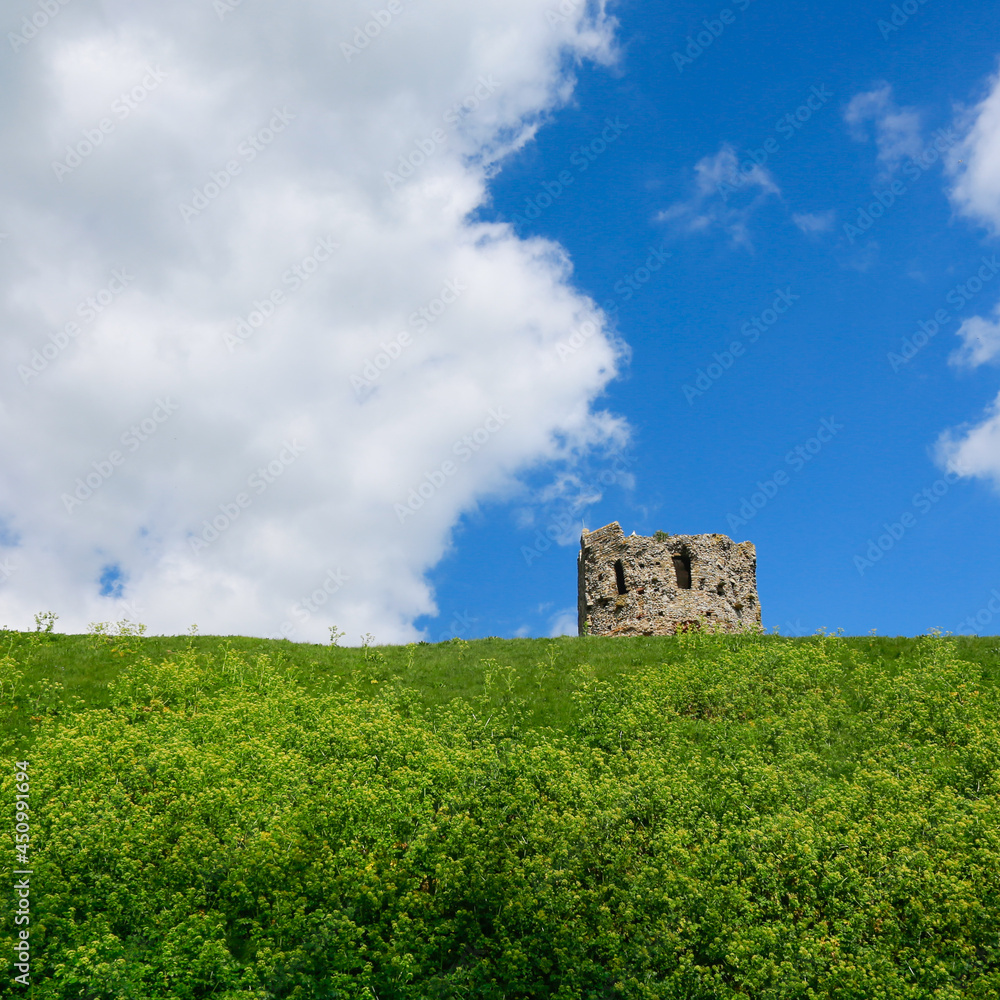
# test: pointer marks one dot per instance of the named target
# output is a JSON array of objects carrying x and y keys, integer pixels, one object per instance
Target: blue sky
[
  {"x": 355, "y": 316},
  {"x": 695, "y": 459}
]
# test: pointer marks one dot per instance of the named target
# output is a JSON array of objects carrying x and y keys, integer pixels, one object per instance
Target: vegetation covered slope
[{"x": 696, "y": 817}]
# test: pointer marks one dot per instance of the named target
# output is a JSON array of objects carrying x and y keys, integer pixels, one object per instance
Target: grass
[
  {"x": 694, "y": 817},
  {"x": 544, "y": 672}
]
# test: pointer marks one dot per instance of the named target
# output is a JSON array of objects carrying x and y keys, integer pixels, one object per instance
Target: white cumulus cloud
[
  {"x": 897, "y": 131},
  {"x": 258, "y": 359},
  {"x": 975, "y": 162},
  {"x": 980, "y": 341},
  {"x": 974, "y": 165},
  {"x": 726, "y": 194}
]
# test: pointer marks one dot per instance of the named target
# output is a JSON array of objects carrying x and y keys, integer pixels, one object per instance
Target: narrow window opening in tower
[
  {"x": 620, "y": 577},
  {"x": 682, "y": 567}
]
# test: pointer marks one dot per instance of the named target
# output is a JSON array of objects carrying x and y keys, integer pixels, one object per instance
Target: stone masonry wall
[{"x": 651, "y": 571}]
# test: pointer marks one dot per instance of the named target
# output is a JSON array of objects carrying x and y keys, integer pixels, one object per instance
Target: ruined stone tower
[{"x": 665, "y": 584}]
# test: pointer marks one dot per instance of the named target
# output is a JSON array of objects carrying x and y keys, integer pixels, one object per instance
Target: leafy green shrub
[
  {"x": 122, "y": 638},
  {"x": 758, "y": 818}
]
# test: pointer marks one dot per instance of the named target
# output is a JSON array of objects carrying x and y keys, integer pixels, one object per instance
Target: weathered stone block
[{"x": 665, "y": 584}]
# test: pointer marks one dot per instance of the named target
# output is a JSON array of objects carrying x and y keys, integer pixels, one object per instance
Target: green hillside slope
[{"x": 693, "y": 817}]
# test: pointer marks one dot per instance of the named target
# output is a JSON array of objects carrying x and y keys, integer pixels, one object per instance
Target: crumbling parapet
[{"x": 665, "y": 584}]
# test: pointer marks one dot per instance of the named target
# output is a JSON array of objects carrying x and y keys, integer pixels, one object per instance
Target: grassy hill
[
  {"x": 698, "y": 816},
  {"x": 546, "y": 670}
]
